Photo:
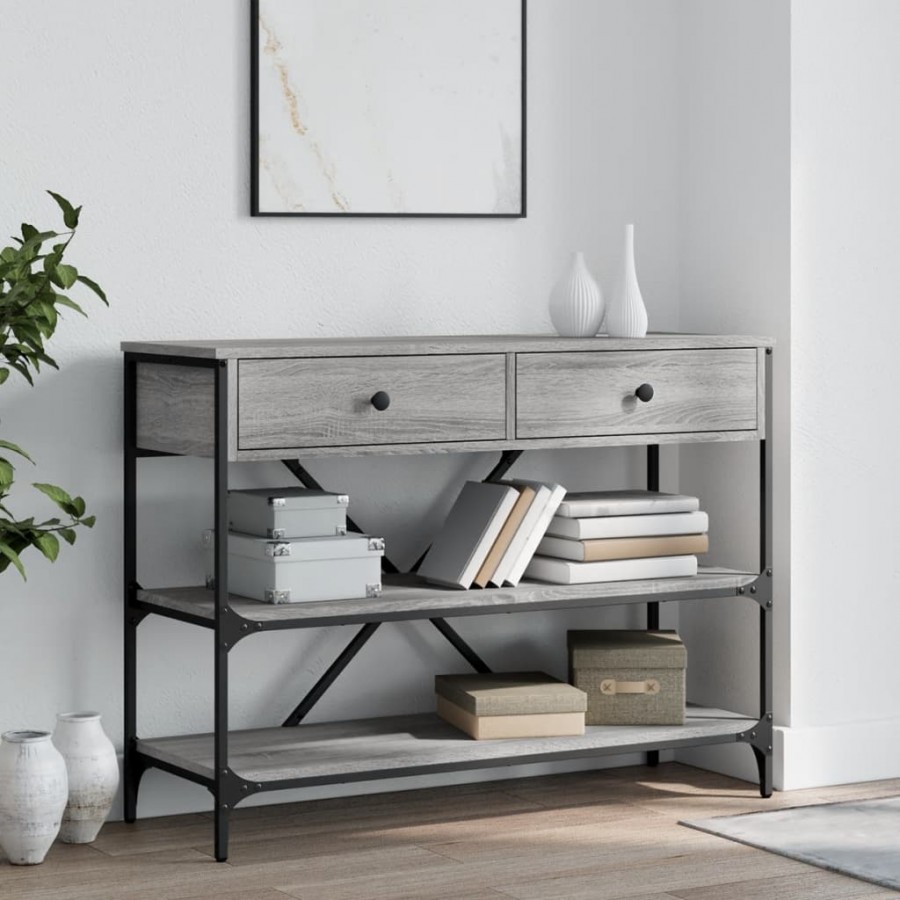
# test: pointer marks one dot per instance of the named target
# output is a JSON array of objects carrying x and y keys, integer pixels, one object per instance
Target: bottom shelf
[{"x": 396, "y": 746}]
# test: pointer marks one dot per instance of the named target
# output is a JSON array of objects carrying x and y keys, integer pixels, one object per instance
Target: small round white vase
[
  {"x": 576, "y": 302},
  {"x": 33, "y": 792},
  {"x": 93, "y": 770},
  {"x": 627, "y": 315}
]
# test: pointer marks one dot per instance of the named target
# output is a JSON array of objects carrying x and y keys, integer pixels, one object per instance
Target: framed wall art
[{"x": 388, "y": 108}]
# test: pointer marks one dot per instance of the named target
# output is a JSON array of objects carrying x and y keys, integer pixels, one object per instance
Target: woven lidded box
[{"x": 630, "y": 677}]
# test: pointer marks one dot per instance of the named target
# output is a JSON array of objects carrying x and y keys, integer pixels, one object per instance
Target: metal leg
[
  {"x": 653, "y": 608},
  {"x": 131, "y": 770},
  {"x": 335, "y": 669},
  {"x": 222, "y": 611},
  {"x": 221, "y": 832}
]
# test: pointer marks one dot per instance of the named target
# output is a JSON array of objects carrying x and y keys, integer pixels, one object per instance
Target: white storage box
[
  {"x": 287, "y": 512},
  {"x": 341, "y": 567}
]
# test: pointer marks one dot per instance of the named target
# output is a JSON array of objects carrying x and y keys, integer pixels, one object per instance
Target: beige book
[
  {"x": 484, "y": 728},
  {"x": 507, "y": 533},
  {"x": 624, "y": 548}
]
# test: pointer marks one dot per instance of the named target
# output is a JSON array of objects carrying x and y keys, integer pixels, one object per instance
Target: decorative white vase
[
  {"x": 627, "y": 315},
  {"x": 33, "y": 793},
  {"x": 93, "y": 774},
  {"x": 576, "y": 302}
]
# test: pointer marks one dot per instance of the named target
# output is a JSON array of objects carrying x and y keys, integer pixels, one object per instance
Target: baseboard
[
  {"x": 836, "y": 754},
  {"x": 162, "y": 794}
]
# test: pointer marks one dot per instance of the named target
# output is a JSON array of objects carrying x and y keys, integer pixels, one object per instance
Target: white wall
[
  {"x": 140, "y": 111},
  {"x": 735, "y": 278},
  {"x": 845, "y": 720}
]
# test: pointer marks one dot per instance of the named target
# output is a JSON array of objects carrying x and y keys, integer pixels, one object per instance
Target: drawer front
[
  {"x": 593, "y": 394},
  {"x": 328, "y": 402}
]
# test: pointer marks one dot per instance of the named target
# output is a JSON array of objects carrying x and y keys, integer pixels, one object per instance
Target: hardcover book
[
  {"x": 523, "y": 532},
  {"x": 623, "y": 548},
  {"x": 507, "y": 533},
  {"x": 563, "y": 571},
  {"x": 624, "y": 503},
  {"x": 538, "y": 530},
  {"x": 472, "y": 526},
  {"x": 629, "y": 526}
]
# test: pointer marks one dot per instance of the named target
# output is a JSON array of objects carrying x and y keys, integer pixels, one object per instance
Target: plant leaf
[
  {"x": 94, "y": 287},
  {"x": 4, "y": 374},
  {"x": 78, "y": 505},
  {"x": 8, "y": 445},
  {"x": 6, "y": 473},
  {"x": 70, "y": 214},
  {"x": 68, "y": 535},
  {"x": 67, "y": 275},
  {"x": 63, "y": 300},
  {"x": 88, "y": 521},
  {"x": 48, "y": 544},
  {"x": 13, "y": 557},
  {"x": 56, "y": 494}
]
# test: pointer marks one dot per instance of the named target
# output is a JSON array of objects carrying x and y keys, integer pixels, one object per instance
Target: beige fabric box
[{"x": 630, "y": 677}]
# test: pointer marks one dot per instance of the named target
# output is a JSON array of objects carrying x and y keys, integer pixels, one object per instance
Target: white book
[
  {"x": 562, "y": 571},
  {"x": 469, "y": 532},
  {"x": 530, "y": 544},
  {"x": 629, "y": 526},
  {"x": 588, "y": 504},
  {"x": 526, "y": 526}
]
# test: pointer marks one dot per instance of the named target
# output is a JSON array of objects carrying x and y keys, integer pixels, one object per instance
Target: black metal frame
[
  {"x": 254, "y": 143},
  {"x": 227, "y": 787}
]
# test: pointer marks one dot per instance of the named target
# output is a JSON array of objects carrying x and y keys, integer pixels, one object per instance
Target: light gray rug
[{"x": 859, "y": 838}]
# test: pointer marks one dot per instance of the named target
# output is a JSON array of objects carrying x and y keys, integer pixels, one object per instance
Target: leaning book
[{"x": 466, "y": 537}]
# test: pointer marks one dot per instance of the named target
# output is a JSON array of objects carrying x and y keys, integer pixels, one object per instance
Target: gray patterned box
[{"x": 630, "y": 677}]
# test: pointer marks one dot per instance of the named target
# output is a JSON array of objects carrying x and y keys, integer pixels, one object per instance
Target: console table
[{"x": 293, "y": 399}]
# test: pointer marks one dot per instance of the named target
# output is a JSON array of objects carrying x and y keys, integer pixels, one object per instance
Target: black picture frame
[{"x": 255, "y": 205}]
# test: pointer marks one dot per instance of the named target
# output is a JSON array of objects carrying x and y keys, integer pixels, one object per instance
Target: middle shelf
[{"x": 407, "y": 597}]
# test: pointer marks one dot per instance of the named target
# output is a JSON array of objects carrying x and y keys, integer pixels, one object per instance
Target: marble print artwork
[{"x": 390, "y": 106}]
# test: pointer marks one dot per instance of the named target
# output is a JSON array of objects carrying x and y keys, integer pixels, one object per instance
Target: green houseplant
[{"x": 34, "y": 284}]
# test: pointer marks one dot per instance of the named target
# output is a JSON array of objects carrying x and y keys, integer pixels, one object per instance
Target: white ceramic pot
[
  {"x": 627, "y": 315},
  {"x": 33, "y": 793},
  {"x": 93, "y": 774},
  {"x": 576, "y": 302}
]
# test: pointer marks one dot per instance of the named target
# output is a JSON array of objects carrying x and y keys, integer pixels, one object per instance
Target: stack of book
[
  {"x": 510, "y": 704},
  {"x": 491, "y": 533},
  {"x": 621, "y": 536}
]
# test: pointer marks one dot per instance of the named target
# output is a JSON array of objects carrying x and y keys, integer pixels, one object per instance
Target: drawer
[
  {"x": 328, "y": 402},
  {"x": 593, "y": 394}
]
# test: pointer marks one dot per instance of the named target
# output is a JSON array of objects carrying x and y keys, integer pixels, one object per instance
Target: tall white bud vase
[
  {"x": 33, "y": 792},
  {"x": 93, "y": 774},
  {"x": 627, "y": 315},
  {"x": 576, "y": 302}
]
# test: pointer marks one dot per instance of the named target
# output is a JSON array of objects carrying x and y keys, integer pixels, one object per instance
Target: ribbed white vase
[
  {"x": 576, "y": 302},
  {"x": 33, "y": 792},
  {"x": 627, "y": 315},
  {"x": 93, "y": 774}
]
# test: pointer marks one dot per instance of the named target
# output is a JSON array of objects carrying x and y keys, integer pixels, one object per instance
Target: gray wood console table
[{"x": 286, "y": 400}]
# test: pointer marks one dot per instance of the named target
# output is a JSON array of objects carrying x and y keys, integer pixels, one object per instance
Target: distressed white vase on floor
[
  {"x": 93, "y": 774},
  {"x": 576, "y": 302},
  {"x": 627, "y": 315},
  {"x": 33, "y": 794}
]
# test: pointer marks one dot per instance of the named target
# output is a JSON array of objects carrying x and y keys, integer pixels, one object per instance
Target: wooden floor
[{"x": 597, "y": 836}]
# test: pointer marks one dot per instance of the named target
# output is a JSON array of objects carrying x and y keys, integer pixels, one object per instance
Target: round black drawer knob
[
  {"x": 644, "y": 393},
  {"x": 381, "y": 400}
]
